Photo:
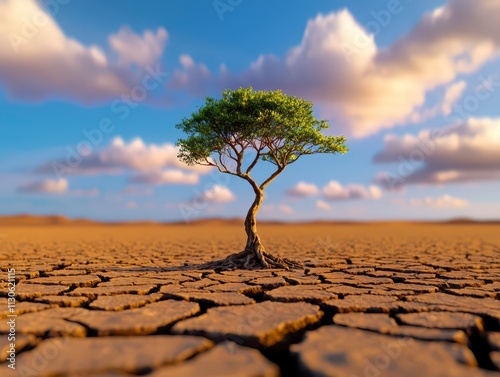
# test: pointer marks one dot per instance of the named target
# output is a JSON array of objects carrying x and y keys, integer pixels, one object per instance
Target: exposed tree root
[{"x": 250, "y": 259}]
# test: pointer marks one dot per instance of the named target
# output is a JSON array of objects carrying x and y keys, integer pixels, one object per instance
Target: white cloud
[
  {"x": 136, "y": 156},
  {"x": 285, "y": 209},
  {"x": 38, "y": 61},
  {"x": 273, "y": 208},
  {"x": 143, "y": 51},
  {"x": 444, "y": 105},
  {"x": 218, "y": 194},
  {"x": 373, "y": 88},
  {"x": 182, "y": 78},
  {"x": 48, "y": 186},
  {"x": 452, "y": 95},
  {"x": 469, "y": 151},
  {"x": 303, "y": 189},
  {"x": 166, "y": 177},
  {"x": 322, "y": 205},
  {"x": 55, "y": 187},
  {"x": 334, "y": 191},
  {"x": 446, "y": 201}
]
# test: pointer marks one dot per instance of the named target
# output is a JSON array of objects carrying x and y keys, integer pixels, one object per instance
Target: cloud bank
[
  {"x": 151, "y": 163},
  {"x": 48, "y": 186},
  {"x": 216, "y": 194},
  {"x": 302, "y": 190},
  {"x": 467, "y": 152},
  {"x": 360, "y": 86},
  {"x": 38, "y": 61},
  {"x": 363, "y": 87},
  {"x": 54, "y": 187},
  {"x": 334, "y": 191},
  {"x": 446, "y": 201}
]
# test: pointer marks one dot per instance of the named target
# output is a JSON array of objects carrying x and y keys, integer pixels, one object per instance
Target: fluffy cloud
[
  {"x": 135, "y": 155},
  {"x": 54, "y": 187},
  {"x": 182, "y": 77},
  {"x": 143, "y": 51},
  {"x": 285, "y": 209},
  {"x": 38, "y": 61},
  {"x": 452, "y": 95},
  {"x": 469, "y": 151},
  {"x": 166, "y": 177},
  {"x": 322, "y": 205},
  {"x": 446, "y": 201},
  {"x": 334, "y": 191},
  {"x": 217, "y": 194},
  {"x": 48, "y": 186},
  {"x": 338, "y": 65},
  {"x": 302, "y": 190},
  {"x": 273, "y": 208}
]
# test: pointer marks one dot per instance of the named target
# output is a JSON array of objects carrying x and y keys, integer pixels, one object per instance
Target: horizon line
[{"x": 18, "y": 219}]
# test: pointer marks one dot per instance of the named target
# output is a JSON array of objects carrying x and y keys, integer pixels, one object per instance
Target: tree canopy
[{"x": 269, "y": 125}]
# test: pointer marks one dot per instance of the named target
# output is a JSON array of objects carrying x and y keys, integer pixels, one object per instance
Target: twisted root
[{"x": 250, "y": 259}]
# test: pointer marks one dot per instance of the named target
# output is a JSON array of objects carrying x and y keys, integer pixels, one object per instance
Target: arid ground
[{"x": 386, "y": 299}]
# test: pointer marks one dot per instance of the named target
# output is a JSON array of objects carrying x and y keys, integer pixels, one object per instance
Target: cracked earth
[{"x": 373, "y": 300}]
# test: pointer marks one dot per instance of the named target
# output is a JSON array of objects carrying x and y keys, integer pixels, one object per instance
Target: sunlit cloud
[
  {"x": 40, "y": 61},
  {"x": 334, "y": 191},
  {"x": 55, "y": 187},
  {"x": 466, "y": 152},
  {"x": 446, "y": 201},
  {"x": 302, "y": 190},
  {"x": 48, "y": 186},
  {"x": 166, "y": 177},
  {"x": 137, "y": 156},
  {"x": 339, "y": 66},
  {"x": 217, "y": 194},
  {"x": 274, "y": 209},
  {"x": 323, "y": 206},
  {"x": 140, "y": 50}
]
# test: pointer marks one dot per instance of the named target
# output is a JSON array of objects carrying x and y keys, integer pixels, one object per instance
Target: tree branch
[
  {"x": 254, "y": 162},
  {"x": 222, "y": 163},
  {"x": 225, "y": 170},
  {"x": 271, "y": 178},
  {"x": 275, "y": 158},
  {"x": 254, "y": 184}
]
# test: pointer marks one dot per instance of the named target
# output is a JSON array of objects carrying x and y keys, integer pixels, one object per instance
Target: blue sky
[{"x": 388, "y": 75}]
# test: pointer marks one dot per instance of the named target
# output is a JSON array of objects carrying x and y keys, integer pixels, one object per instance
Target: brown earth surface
[{"x": 380, "y": 299}]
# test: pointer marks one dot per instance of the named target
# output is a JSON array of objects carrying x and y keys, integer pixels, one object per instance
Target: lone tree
[{"x": 242, "y": 128}]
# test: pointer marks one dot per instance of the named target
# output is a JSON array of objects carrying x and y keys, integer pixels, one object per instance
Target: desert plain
[{"x": 373, "y": 299}]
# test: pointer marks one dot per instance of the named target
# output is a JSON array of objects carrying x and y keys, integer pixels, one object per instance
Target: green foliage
[{"x": 273, "y": 126}]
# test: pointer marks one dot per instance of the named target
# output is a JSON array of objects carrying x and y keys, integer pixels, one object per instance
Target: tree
[{"x": 242, "y": 128}]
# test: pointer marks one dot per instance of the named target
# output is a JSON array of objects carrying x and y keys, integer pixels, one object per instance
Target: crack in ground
[{"x": 280, "y": 354}]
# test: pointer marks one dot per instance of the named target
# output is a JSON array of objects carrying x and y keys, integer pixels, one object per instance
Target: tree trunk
[
  {"x": 254, "y": 255},
  {"x": 251, "y": 222},
  {"x": 254, "y": 246}
]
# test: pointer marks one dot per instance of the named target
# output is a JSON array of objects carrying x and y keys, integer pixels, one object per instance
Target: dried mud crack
[{"x": 371, "y": 303}]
